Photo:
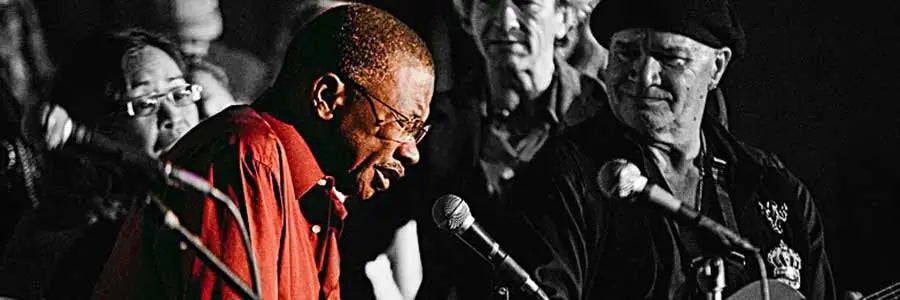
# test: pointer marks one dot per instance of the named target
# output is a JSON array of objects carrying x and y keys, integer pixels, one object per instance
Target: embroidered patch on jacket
[
  {"x": 775, "y": 213},
  {"x": 786, "y": 264}
]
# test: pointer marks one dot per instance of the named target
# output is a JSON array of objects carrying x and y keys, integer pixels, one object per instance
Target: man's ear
[
  {"x": 723, "y": 56},
  {"x": 328, "y": 95}
]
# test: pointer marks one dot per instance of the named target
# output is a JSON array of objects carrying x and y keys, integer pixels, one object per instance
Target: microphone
[
  {"x": 452, "y": 214},
  {"x": 622, "y": 180},
  {"x": 59, "y": 130}
]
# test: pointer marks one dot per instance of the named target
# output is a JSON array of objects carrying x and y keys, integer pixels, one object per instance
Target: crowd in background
[{"x": 101, "y": 60}]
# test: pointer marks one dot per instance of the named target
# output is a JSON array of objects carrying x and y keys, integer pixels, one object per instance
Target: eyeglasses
[
  {"x": 149, "y": 104},
  {"x": 411, "y": 127}
]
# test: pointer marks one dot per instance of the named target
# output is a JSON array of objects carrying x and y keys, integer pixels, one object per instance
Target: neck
[
  {"x": 509, "y": 88},
  {"x": 281, "y": 105},
  {"x": 677, "y": 154},
  {"x": 328, "y": 153}
]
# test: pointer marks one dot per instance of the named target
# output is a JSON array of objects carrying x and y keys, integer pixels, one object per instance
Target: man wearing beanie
[{"x": 665, "y": 57}]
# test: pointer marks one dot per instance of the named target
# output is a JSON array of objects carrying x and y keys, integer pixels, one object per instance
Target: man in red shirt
[{"x": 344, "y": 114}]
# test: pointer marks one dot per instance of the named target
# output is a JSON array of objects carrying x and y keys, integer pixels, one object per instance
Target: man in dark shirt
[{"x": 665, "y": 57}]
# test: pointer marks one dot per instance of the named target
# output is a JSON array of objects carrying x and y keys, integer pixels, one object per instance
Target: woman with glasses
[{"x": 127, "y": 85}]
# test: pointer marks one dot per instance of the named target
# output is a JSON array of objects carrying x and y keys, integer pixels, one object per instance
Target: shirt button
[{"x": 316, "y": 228}]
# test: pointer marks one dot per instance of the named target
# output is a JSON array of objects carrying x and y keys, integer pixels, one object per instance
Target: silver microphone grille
[
  {"x": 619, "y": 178},
  {"x": 450, "y": 213}
]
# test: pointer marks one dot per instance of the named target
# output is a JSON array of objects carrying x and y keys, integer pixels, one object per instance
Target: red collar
[{"x": 305, "y": 171}]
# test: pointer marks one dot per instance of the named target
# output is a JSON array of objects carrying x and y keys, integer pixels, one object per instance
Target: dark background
[{"x": 817, "y": 87}]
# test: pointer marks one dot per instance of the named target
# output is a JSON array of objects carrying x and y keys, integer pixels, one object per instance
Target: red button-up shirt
[{"x": 265, "y": 166}]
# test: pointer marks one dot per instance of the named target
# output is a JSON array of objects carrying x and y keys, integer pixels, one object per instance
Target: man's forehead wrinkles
[{"x": 630, "y": 36}]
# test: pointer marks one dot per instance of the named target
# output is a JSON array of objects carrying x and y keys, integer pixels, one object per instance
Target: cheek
[
  {"x": 356, "y": 141},
  {"x": 191, "y": 115},
  {"x": 691, "y": 96},
  {"x": 370, "y": 151},
  {"x": 478, "y": 22},
  {"x": 615, "y": 72}
]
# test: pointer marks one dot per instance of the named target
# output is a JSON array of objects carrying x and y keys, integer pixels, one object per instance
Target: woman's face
[{"x": 152, "y": 74}]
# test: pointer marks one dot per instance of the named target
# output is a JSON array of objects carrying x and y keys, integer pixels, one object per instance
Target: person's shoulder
[
  {"x": 238, "y": 129},
  {"x": 576, "y": 148},
  {"x": 600, "y": 129},
  {"x": 585, "y": 94},
  {"x": 765, "y": 159},
  {"x": 774, "y": 173}
]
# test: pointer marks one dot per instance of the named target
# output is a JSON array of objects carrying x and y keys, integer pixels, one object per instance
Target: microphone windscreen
[
  {"x": 450, "y": 212},
  {"x": 58, "y": 126},
  {"x": 609, "y": 176},
  {"x": 620, "y": 179}
]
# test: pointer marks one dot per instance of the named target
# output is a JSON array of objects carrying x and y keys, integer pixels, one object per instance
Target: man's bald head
[{"x": 355, "y": 40}]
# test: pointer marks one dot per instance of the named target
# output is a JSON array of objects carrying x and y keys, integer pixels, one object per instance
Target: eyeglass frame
[
  {"x": 417, "y": 133},
  {"x": 196, "y": 91}
]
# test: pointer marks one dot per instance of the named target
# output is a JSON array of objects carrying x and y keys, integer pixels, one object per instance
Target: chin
[
  {"x": 508, "y": 61},
  {"x": 360, "y": 188},
  {"x": 365, "y": 194}
]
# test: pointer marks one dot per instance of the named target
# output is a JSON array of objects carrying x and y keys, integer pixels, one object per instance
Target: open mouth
[
  {"x": 381, "y": 182},
  {"x": 384, "y": 175}
]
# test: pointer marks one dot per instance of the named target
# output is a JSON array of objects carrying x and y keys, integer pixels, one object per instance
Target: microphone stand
[
  {"x": 501, "y": 292},
  {"x": 711, "y": 277},
  {"x": 178, "y": 177},
  {"x": 170, "y": 222}
]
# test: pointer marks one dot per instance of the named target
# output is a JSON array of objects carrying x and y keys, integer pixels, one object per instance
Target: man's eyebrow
[
  {"x": 625, "y": 44},
  {"x": 626, "y": 40},
  {"x": 674, "y": 48}
]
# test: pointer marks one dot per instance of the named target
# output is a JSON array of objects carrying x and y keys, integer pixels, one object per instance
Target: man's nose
[
  {"x": 408, "y": 153},
  {"x": 645, "y": 71},
  {"x": 506, "y": 17}
]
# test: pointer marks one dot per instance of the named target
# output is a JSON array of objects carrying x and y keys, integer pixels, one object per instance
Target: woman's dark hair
[{"x": 93, "y": 78}]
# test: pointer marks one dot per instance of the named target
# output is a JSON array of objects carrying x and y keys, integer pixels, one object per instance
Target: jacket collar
[{"x": 305, "y": 171}]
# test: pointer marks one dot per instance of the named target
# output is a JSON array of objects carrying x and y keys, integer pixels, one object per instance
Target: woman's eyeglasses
[{"x": 149, "y": 104}]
